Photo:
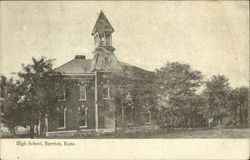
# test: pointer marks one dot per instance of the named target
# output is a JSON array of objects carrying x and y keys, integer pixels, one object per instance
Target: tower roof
[{"x": 102, "y": 25}]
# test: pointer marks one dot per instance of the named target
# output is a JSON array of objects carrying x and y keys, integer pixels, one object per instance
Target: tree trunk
[
  {"x": 12, "y": 130},
  {"x": 42, "y": 127},
  {"x": 31, "y": 131},
  {"x": 245, "y": 114},
  {"x": 122, "y": 115},
  {"x": 241, "y": 115},
  {"x": 37, "y": 130}
]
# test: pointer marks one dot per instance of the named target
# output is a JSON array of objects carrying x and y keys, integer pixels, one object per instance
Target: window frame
[
  {"x": 149, "y": 118},
  {"x": 107, "y": 59},
  {"x": 131, "y": 119},
  {"x": 108, "y": 89},
  {"x": 85, "y": 92},
  {"x": 64, "y": 119},
  {"x": 64, "y": 95},
  {"x": 85, "y": 116}
]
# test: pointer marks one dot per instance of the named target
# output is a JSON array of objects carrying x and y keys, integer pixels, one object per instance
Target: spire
[
  {"x": 102, "y": 33},
  {"x": 102, "y": 25}
]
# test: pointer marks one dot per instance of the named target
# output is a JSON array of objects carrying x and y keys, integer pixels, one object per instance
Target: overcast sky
[{"x": 212, "y": 37}]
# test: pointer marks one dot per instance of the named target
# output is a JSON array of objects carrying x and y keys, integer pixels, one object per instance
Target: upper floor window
[
  {"x": 62, "y": 94},
  {"x": 106, "y": 92},
  {"x": 82, "y": 94},
  {"x": 105, "y": 89}
]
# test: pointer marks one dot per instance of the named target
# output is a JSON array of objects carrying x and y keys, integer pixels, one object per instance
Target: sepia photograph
[{"x": 123, "y": 70}]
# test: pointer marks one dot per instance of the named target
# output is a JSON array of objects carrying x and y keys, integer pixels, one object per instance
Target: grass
[
  {"x": 174, "y": 134},
  {"x": 199, "y": 133}
]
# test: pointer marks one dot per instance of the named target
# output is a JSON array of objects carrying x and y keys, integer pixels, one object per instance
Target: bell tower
[
  {"x": 102, "y": 33},
  {"x": 104, "y": 59}
]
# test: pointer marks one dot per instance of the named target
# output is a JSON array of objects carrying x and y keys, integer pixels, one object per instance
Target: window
[
  {"x": 62, "y": 94},
  {"x": 108, "y": 40},
  {"x": 106, "y": 92},
  {"x": 105, "y": 89},
  {"x": 82, "y": 94},
  {"x": 101, "y": 41},
  {"x": 107, "y": 59},
  {"x": 61, "y": 117},
  {"x": 83, "y": 116},
  {"x": 148, "y": 117},
  {"x": 131, "y": 115}
]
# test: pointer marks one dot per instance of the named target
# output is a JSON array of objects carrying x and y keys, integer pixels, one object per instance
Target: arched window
[
  {"x": 61, "y": 117},
  {"x": 82, "y": 94},
  {"x": 108, "y": 40},
  {"x": 131, "y": 115},
  {"x": 105, "y": 90},
  {"x": 83, "y": 116},
  {"x": 148, "y": 117},
  {"x": 63, "y": 93}
]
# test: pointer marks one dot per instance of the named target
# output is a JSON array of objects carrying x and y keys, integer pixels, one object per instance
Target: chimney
[{"x": 80, "y": 57}]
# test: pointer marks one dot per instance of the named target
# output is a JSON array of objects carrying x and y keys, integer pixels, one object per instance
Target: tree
[
  {"x": 40, "y": 88},
  {"x": 176, "y": 84},
  {"x": 243, "y": 101},
  {"x": 238, "y": 106},
  {"x": 217, "y": 92},
  {"x": 12, "y": 110}
]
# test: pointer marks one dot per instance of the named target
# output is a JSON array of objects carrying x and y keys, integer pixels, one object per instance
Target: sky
[{"x": 211, "y": 36}]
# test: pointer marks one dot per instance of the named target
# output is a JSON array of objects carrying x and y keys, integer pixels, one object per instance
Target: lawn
[
  {"x": 207, "y": 133},
  {"x": 204, "y": 133},
  {"x": 161, "y": 133},
  {"x": 188, "y": 133}
]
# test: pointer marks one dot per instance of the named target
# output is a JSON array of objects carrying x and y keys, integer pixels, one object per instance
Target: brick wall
[
  {"x": 72, "y": 104},
  {"x": 106, "y": 108}
]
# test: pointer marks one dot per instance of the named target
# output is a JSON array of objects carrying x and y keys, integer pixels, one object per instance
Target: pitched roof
[
  {"x": 134, "y": 72},
  {"x": 75, "y": 66},
  {"x": 102, "y": 25},
  {"x": 83, "y": 66}
]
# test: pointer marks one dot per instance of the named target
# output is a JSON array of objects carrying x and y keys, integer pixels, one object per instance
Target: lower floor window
[
  {"x": 131, "y": 116},
  {"x": 62, "y": 117},
  {"x": 83, "y": 116},
  {"x": 148, "y": 117}
]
